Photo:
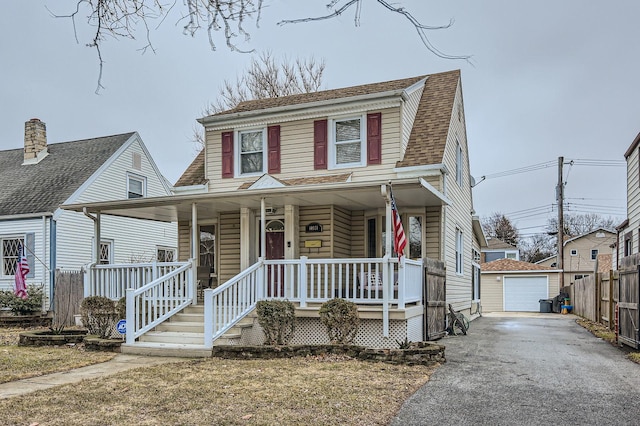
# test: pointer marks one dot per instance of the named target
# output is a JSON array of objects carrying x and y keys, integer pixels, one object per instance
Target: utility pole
[{"x": 560, "y": 199}]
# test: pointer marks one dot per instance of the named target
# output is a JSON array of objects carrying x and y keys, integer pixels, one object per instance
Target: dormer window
[
  {"x": 251, "y": 152},
  {"x": 347, "y": 139}
]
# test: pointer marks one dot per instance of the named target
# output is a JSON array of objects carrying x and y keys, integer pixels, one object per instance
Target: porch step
[
  {"x": 182, "y": 326},
  {"x": 173, "y": 337},
  {"x": 166, "y": 349}
]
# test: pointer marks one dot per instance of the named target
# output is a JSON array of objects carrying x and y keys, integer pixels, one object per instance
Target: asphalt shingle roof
[
  {"x": 428, "y": 136},
  {"x": 502, "y": 265},
  {"x": 42, "y": 187}
]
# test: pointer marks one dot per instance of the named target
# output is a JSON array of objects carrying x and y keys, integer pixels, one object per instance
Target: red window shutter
[
  {"x": 320, "y": 144},
  {"x": 273, "y": 146},
  {"x": 374, "y": 138},
  {"x": 227, "y": 154}
]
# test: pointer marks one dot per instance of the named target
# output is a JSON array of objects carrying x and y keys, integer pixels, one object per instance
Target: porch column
[
  {"x": 263, "y": 231},
  {"x": 96, "y": 229},
  {"x": 291, "y": 233},
  {"x": 246, "y": 245},
  {"x": 194, "y": 231}
]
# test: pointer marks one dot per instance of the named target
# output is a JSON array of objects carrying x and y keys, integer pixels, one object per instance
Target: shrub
[
  {"x": 19, "y": 306},
  {"x": 98, "y": 315},
  {"x": 277, "y": 318},
  {"x": 121, "y": 308},
  {"x": 341, "y": 319}
]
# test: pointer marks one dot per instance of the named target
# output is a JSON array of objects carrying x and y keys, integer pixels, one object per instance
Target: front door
[{"x": 275, "y": 251}]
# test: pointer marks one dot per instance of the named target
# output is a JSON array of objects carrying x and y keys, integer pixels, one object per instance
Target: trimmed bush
[
  {"x": 98, "y": 315},
  {"x": 31, "y": 305},
  {"x": 277, "y": 319},
  {"x": 341, "y": 319},
  {"x": 121, "y": 308}
]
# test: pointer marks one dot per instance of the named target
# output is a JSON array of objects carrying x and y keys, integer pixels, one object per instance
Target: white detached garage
[{"x": 514, "y": 286}]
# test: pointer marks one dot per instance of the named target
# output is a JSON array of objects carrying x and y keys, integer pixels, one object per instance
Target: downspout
[
  {"x": 96, "y": 233},
  {"x": 263, "y": 232},
  {"x": 52, "y": 257},
  {"x": 386, "y": 263}
]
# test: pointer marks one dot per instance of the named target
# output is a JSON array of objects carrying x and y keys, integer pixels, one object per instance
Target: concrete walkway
[
  {"x": 120, "y": 362},
  {"x": 534, "y": 369}
]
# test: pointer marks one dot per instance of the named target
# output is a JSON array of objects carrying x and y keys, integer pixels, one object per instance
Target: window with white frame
[
  {"x": 10, "y": 254},
  {"x": 511, "y": 255},
  {"x": 136, "y": 186},
  {"x": 574, "y": 252},
  {"x": 348, "y": 142},
  {"x": 459, "y": 252},
  {"x": 106, "y": 253},
  {"x": 459, "y": 164},
  {"x": 251, "y": 152},
  {"x": 165, "y": 254},
  {"x": 594, "y": 254}
]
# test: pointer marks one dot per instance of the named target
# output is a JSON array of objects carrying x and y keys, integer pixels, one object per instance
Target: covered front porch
[{"x": 316, "y": 243}]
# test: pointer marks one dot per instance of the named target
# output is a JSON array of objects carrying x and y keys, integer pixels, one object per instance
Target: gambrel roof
[
  {"x": 430, "y": 128},
  {"x": 42, "y": 187}
]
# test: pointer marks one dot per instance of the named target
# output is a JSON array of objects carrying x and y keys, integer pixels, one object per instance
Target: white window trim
[
  {"x": 166, "y": 248},
  {"x": 597, "y": 252},
  {"x": 141, "y": 179},
  {"x": 332, "y": 141},
  {"x": 459, "y": 252},
  {"x": 8, "y": 237},
  {"x": 236, "y": 152},
  {"x": 573, "y": 252},
  {"x": 111, "y": 248}
]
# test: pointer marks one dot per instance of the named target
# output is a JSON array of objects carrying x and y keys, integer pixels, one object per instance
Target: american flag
[
  {"x": 399, "y": 237},
  {"x": 22, "y": 269}
]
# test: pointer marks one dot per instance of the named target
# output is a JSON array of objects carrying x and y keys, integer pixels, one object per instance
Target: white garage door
[{"x": 524, "y": 293}]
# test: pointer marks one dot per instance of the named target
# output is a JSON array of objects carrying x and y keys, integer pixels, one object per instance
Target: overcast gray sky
[{"x": 551, "y": 78}]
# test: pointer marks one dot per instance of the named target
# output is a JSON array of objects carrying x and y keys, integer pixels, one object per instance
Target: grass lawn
[
  {"x": 322, "y": 390},
  {"x": 21, "y": 362}
]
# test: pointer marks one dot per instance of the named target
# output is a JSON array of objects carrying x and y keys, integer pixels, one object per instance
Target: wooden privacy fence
[
  {"x": 67, "y": 295},
  {"x": 435, "y": 299},
  {"x": 595, "y": 297},
  {"x": 629, "y": 299}
]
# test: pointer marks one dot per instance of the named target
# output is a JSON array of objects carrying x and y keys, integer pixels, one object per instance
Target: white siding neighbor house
[
  {"x": 40, "y": 177},
  {"x": 292, "y": 198}
]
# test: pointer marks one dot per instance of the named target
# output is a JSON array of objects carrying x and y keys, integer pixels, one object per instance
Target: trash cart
[{"x": 545, "y": 305}]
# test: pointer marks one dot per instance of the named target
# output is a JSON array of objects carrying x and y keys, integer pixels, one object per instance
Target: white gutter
[
  {"x": 537, "y": 271},
  {"x": 420, "y": 171},
  {"x": 191, "y": 189},
  {"x": 26, "y": 216}
]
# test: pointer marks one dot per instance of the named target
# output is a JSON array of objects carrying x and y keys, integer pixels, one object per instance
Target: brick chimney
[{"x": 35, "y": 141}]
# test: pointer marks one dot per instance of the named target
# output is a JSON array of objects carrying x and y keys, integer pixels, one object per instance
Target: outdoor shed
[{"x": 512, "y": 285}]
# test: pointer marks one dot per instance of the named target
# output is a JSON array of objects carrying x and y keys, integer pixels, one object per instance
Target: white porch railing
[
  {"x": 155, "y": 302},
  {"x": 364, "y": 281},
  {"x": 113, "y": 280}
]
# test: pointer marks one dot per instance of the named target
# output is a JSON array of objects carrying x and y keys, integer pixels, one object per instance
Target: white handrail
[{"x": 155, "y": 302}]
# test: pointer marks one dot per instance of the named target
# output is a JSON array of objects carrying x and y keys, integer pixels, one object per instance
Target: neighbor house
[
  {"x": 291, "y": 198},
  {"x": 580, "y": 254},
  {"x": 512, "y": 285},
  {"x": 498, "y": 249},
  {"x": 40, "y": 177},
  {"x": 628, "y": 239}
]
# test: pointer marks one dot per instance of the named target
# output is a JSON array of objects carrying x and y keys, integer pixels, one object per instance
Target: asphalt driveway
[{"x": 528, "y": 370}]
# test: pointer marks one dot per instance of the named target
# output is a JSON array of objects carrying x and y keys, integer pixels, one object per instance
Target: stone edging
[{"x": 419, "y": 353}]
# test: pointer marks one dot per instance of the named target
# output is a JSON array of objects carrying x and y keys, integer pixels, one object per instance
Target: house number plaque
[{"x": 314, "y": 227}]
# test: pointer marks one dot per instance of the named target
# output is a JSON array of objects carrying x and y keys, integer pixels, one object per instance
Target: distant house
[
  {"x": 512, "y": 285},
  {"x": 40, "y": 177},
  {"x": 580, "y": 254},
  {"x": 498, "y": 249}
]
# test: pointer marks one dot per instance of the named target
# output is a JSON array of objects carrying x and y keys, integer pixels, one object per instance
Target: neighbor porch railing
[
  {"x": 112, "y": 280},
  {"x": 155, "y": 302}
]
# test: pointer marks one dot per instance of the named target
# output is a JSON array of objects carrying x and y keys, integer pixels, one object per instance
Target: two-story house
[
  {"x": 292, "y": 198},
  {"x": 498, "y": 249},
  {"x": 581, "y": 253},
  {"x": 40, "y": 177},
  {"x": 628, "y": 239}
]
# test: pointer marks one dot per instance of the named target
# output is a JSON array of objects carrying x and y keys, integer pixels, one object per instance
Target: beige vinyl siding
[
  {"x": 457, "y": 215},
  {"x": 433, "y": 227},
  {"x": 633, "y": 204},
  {"x": 184, "y": 241},
  {"x": 357, "y": 234},
  {"x": 548, "y": 262},
  {"x": 581, "y": 263},
  {"x": 321, "y": 215},
  {"x": 229, "y": 234},
  {"x": 341, "y": 233},
  {"x": 296, "y": 149},
  {"x": 41, "y": 230},
  {"x": 409, "y": 115}
]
